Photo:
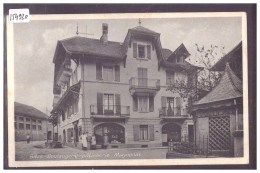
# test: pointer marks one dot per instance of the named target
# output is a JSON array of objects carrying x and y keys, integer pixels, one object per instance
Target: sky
[{"x": 35, "y": 44}]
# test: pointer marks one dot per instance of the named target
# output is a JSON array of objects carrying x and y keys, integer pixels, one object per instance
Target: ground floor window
[{"x": 143, "y": 132}]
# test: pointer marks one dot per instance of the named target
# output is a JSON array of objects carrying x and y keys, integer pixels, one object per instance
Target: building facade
[
  {"x": 118, "y": 93},
  {"x": 29, "y": 121}
]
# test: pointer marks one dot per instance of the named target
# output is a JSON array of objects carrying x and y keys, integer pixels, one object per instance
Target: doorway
[{"x": 171, "y": 132}]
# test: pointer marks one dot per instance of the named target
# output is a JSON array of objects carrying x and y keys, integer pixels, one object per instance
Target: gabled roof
[
  {"x": 220, "y": 65},
  {"x": 143, "y": 29},
  {"x": 166, "y": 53},
  {"x": 181, "y": 50},
  {"x": 91, "y": 46},
  {"x": 229, "y": 87},
  {"x": 26, "y": 110}
]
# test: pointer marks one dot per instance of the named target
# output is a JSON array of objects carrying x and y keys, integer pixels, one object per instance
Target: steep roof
[
  {"x": 23, "y": 109},
  {"x": 166, "y": 53},
  {"x": 229, "y": 87},
  {"x": 91, "y": 46},
  {"x": 220, "y": 65},
  {"x": 143, "y": 29}
]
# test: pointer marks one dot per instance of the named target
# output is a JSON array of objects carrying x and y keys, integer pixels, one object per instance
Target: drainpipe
[{"x": 236, "y": 115}]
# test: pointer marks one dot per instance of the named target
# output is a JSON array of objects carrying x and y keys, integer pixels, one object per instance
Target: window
[
  {"x": 39, "y": 127},
  {"x": 33, "y": 121},
  {"x": 28, "y": 120},
  {"x": 170, "y": 102},
  {"x": 34, "y": 127},
  {"x": 21, "y": 119},
  {"x": 28, "y": 126},
  {"x": 169, "y": 77},
  {"x": 143, "y": 103},
  {"x": 39, "y": 121},
  {"x": 108, "y": 103},
  {"x": 21, "y": 126},
  {"x": 143, "y": 132},
  {"x": 141, "y": 51},
  {"x": 179, "y": 59},
  {"x": 15, "y": 125},
  {"x": 108, "y": 73}
]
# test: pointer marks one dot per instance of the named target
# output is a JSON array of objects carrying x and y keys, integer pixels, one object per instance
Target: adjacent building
[
  {"x": 118, "y": 93},
  {"x": 29, "y": 120},
  {"x": 218, "y": 116}
]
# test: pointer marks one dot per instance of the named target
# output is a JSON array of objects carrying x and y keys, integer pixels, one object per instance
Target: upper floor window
[
  {"x": 169, "y": 77},
  {"x": 108, "y": 72},
  {"x": 179, "y": 59},
  {"x": 143, "y": 103},
  {"x": 141, "y": 51}
]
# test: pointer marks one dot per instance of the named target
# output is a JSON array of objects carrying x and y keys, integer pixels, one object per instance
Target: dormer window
[
  {"x": 179, "y": 59},
  {"x": 141, "y": 51}
]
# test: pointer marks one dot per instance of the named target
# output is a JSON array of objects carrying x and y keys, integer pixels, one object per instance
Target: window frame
[
  {"x": 144, "y": 133},
  {"x": 29, "y": 126},
  {"x": 103, "y": 72},
  {"x": 108, "y": 99},
  {"x": 141, "y": 105},
  {"x": 138, "y": 51}
]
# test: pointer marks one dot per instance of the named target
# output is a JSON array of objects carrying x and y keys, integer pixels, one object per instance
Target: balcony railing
[
  {"x": 110, "y": 110},
  {"x": 176, "y": 112},
  {"x": 144, "y": 83}
]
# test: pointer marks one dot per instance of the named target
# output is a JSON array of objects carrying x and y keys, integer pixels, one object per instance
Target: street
[{"x": 37, "y": 151}]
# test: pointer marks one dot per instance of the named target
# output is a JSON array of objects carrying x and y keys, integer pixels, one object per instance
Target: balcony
[
  {"x": 64, "y": 74},
  {"x": 173, "y": 113},
  {"x": 142, "y": 85},
  {"x": 109, "y": 111}
]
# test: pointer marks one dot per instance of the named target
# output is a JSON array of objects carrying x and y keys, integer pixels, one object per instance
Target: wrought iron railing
[
  {"x": 173, "y": 112},
  {"x": 114, "y": 110},
  {"x": 144, "y": 83}
]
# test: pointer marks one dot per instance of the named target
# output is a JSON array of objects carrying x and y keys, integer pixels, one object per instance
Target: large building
[
  {"x": 118, "y": 93},
  {"x": 29, "y": 121}
]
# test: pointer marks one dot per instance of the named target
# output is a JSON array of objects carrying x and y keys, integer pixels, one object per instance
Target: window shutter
[
  {"x": 135, "y": 103},
  {"x": 178, "y": 105},
  {"x": 151, "y": 132},
  {"x": 149, "y": 51},
  {"x": 100, "y": 103},
  {"x": 163, "y": 101},
  {"x": 117, "y": 73},
  {"x": 135, "y": 50},
  {"x": 99, "y": 71},
  {"x": 151, "y": 103},
  {"x": 118, "y": 104},
  {"x": 136, "y": 130}
]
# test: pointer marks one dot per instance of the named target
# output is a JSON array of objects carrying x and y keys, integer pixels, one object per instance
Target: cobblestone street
[{"x": 37, "y": 151}]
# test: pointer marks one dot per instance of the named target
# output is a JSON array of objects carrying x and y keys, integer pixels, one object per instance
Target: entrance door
[
  {"x": 64, "y": 136},
  {"x": 142, "y": 77},
  {"x": 173, "y": 133},
  {"x": 190, "y": 133}
]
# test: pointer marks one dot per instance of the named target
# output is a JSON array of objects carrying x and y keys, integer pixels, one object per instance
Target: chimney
[{"x": 104, "y": 36}]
